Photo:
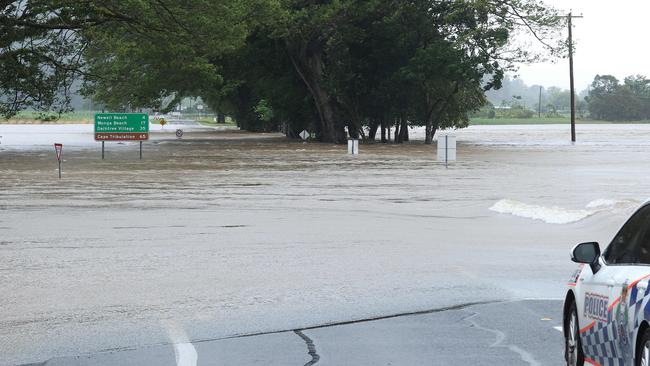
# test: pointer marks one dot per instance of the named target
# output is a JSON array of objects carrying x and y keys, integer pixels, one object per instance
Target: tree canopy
[
  {"x": 336, "y": 68},
  {"x": 610, "y": 100}
]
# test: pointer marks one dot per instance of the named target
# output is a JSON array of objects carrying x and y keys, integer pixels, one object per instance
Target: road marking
[
  {"x": 185, "y": 354},
  {"x": 183, "y": 349},
  {"x": 499, "y": 342},
  {"x": 559, "y": 329}
]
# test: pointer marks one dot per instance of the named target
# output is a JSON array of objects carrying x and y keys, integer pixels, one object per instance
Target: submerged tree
[{"x": 326, "y": 66}]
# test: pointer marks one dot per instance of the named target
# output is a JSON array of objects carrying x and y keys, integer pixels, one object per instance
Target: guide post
[
  {"x": 58, "y": 148},
  {"x": 446, "y": 149},
  {"x": 353, "y": 147}
]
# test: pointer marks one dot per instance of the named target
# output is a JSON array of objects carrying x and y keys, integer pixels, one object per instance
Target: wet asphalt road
[{"x": 503, "y": 333}]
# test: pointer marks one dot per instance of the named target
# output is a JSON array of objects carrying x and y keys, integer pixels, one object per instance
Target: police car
[{"x": 606, "y": 310}]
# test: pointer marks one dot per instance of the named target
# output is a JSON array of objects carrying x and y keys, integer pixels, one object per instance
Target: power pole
[
  {"x": 573, "y": 91},
  {"x": 539, "y": 105}
]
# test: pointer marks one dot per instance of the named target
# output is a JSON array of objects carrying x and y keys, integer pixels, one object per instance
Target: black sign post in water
[{"x": 58, "y": 148}]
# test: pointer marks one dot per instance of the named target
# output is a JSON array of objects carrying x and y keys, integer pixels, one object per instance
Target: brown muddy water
[{"x": 225, "y": 233}]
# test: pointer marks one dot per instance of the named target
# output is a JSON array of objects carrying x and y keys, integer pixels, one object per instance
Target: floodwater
[{"x": 224, "y": 233}]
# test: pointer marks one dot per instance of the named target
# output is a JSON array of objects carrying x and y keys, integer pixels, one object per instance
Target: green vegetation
[
  {"x": 555, "y": 102},
  {"x": 212, "y": 123},
  {"x": 335, "y": 68},
  {"x": 530, "y": 121},
  {"x": 608, "y": 99}
]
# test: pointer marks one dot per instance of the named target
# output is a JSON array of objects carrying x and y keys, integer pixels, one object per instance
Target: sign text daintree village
[{"x": 121, "y": 126}]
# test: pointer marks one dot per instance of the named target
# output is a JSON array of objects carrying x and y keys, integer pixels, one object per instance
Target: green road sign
[{"x": 121, "y": 126}]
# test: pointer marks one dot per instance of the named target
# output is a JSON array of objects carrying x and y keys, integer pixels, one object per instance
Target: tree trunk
[
  {"x": 428, "y": 139},
  {"x": 330, "y": 132},
  {"x": 308, "y": 63},
  {"x": 398, "y": 136},
  {"x": 383, "y": 132},
  {"x": 372, "y": 133},
  {"x": 438, "y": 107},
  {"x": 404, "y": 130},
  {"x": 354, "y": 128},
  {"x": 432, "y": 125},
  {"x": 362, "y": 134},
  {"x": 434, "y": 128},
  {"x": 428, "y": 136}
]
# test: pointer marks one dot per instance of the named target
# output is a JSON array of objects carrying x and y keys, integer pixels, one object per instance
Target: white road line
[
  {"x": 185, "y": 354},
  {"x": 500, "y": 337},
  {"x": 183, "y": 349},
  {"x": 559, "y": 329}
]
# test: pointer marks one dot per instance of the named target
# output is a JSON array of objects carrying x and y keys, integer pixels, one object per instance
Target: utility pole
[
  {"x": 573, "y": 91},
  {"x": 539, "y": 105}
]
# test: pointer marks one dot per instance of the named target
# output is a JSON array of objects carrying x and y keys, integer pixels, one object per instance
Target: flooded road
[{"x": 225, "y": 233}]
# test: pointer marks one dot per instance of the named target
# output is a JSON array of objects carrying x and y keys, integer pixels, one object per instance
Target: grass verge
[
  {"x": 211, "y": 123},
  {"x": 541, "y": 121}
]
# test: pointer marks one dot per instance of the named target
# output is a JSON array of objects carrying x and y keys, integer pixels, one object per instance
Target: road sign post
[
  {"x": 446, "y": 149},
  {"x": 59, "y": 149},
  {"x": 353, "y": 147},
  {"x": 122, "y": 127}
]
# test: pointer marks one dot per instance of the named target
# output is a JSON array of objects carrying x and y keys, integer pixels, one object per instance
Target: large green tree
[
  {"x": 608, "y": 99},
  {"x": 326, "y": 66},
  {"x": 41, "y": 52}
]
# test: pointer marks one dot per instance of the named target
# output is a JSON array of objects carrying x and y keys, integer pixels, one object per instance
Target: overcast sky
[{"x": 612, "y": 38}]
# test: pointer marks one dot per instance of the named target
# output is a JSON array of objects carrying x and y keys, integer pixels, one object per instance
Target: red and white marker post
[{"x": 59, "y": 149}]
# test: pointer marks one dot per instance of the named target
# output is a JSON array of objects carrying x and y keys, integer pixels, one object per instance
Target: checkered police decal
[
  {"x": 611, "y": 342},
  {"x": 598, "y": 344}
]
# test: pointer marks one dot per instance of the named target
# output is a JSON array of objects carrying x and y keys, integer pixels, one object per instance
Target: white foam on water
[
  {"x": 556, "y": 214},
  {"x": 603, "y": 203}
]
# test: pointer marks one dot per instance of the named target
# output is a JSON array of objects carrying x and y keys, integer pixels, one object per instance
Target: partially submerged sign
[
  {"x": 58, "y": 148},
  {"x": 446, "y": 148},
  {"x": 353, "y": 147},
  {"x": 304, "y": 135},
  {"x": 121, "y": 126}
]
